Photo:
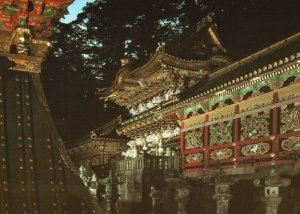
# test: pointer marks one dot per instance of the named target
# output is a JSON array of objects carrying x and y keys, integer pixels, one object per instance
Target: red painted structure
[{"x": 276, "y": 155}]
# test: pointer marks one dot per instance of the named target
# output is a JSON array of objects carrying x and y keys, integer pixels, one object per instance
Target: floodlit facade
[{"x": 200, "y": 129}]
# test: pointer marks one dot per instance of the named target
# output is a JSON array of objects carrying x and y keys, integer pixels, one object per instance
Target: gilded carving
[
  {"x": 4, "y": 46},
  {"x": 154, "y": 101},
  {"x": 220, "y": 133},
  {"x": 193, "y": 139},
  {"x": 290, "y": 119},
  {"x": 256, "y": 149},
  {"x": 26, "y": 64},
  {"x": 193, "y": 158},
  {"x": 39, "y": 47},
  {"x": 255, "y": 125},
  {"x": 221, "y": 154},
  {"x": 290, "y": 144},
  {"x": 21, "y": 38}
]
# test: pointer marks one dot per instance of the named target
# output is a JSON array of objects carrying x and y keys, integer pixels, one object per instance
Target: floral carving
[
  {"x": 256, "y": 149},
  {"x": 154, "y": 101},
  {"x": 290, "y": 144},
  {"x": 254, "y": 126},
  {"x": 193, "y": 158},
  {"x": 220, "y": 133},
  {"x": 194, "y": 139},
  {"x": 290, "y": 119},
  {"x": 221, "y": 154}
]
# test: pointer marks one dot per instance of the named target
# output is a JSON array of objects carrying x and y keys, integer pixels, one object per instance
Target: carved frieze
[
  {"x": 220, "y": 133},
  {"x": 256, "y": 149},
  {"x": 290, "y": 119},
  {"x": 154, "y": 101},
  {"x": 292, "y": 143},
  {"x": 21, "y": 37},
  {"x": 221, "y": 154},
  {"x": 193, "y": 139},
  {"x": 26, "y": 64},
  {"x": 255, "y": 125},
  {"x": 22, "y": 42},
  {"x": 194, "y": 158}
]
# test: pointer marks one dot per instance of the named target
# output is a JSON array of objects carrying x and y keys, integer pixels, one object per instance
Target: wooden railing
[{"x": 151, "y": 163}]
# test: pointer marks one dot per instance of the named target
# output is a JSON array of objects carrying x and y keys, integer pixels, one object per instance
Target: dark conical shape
[{"x": 36, "y": 175}]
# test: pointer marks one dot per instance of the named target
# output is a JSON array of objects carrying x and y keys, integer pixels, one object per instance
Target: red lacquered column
[
  {"x": 206, "y": 142},
  {"x": 275, "y": 119},
  {"x": 236, "y": 124},
  {"x": 182, "y": 147}
]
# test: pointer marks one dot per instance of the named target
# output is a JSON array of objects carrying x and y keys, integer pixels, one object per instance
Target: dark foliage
[{"x": 86, "y": 53}]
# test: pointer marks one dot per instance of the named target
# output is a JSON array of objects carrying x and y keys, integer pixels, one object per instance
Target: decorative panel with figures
[
  {"x": 220, "y": 133},
  {"x": 256, "y": 149},
  {"x": 255, "y": 125},
  {"x": 221, "y": 154},
  {"x": 194, "y": 139},
  {"x": 291, "y": 144},
  {"x": 290, "y": 118},
  {"x": 194, "y": 158}
]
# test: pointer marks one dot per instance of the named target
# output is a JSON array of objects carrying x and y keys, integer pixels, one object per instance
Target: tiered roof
[
  {"x": 165, "y": 70},
  {"x": 101, "y": 142},
  {"x": 237, "y": 75},
  {"x": 132, "y": 87},
  {"x": 170, "y": 71}
]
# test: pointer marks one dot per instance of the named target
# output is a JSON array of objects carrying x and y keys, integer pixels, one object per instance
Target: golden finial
[
  {"x": 125, "y": 61},
  {"x": 160, "y": 47},
  {"x": 93, "y": 135}
]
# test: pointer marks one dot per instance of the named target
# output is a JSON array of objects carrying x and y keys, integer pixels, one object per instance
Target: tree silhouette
[{"x": 86, "y": 53}]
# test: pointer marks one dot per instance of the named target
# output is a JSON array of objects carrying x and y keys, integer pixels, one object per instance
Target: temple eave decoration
[
  {"x": 249, "y": 121},
  {"x": 25, "y": 28},
  {"x": 36, "y": 15},
  {"x": 156, "y": 82}
]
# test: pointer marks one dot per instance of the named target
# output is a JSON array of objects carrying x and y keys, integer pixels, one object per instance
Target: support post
[
  {"x": 155, "y": 195},
  {"x": 110, "y": 195},
  {"x": 222, "y": 196},
  {"x": 182, "y": 198},
  {"x": 272, "y": 197}
]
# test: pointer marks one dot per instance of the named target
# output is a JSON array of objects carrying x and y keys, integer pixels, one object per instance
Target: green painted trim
[
  {"x": 11, "y": 10},
  {"x": 242, "y": 91}
]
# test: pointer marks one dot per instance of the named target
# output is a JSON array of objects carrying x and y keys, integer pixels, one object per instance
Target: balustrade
[{"x": 148, "y": 162}]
